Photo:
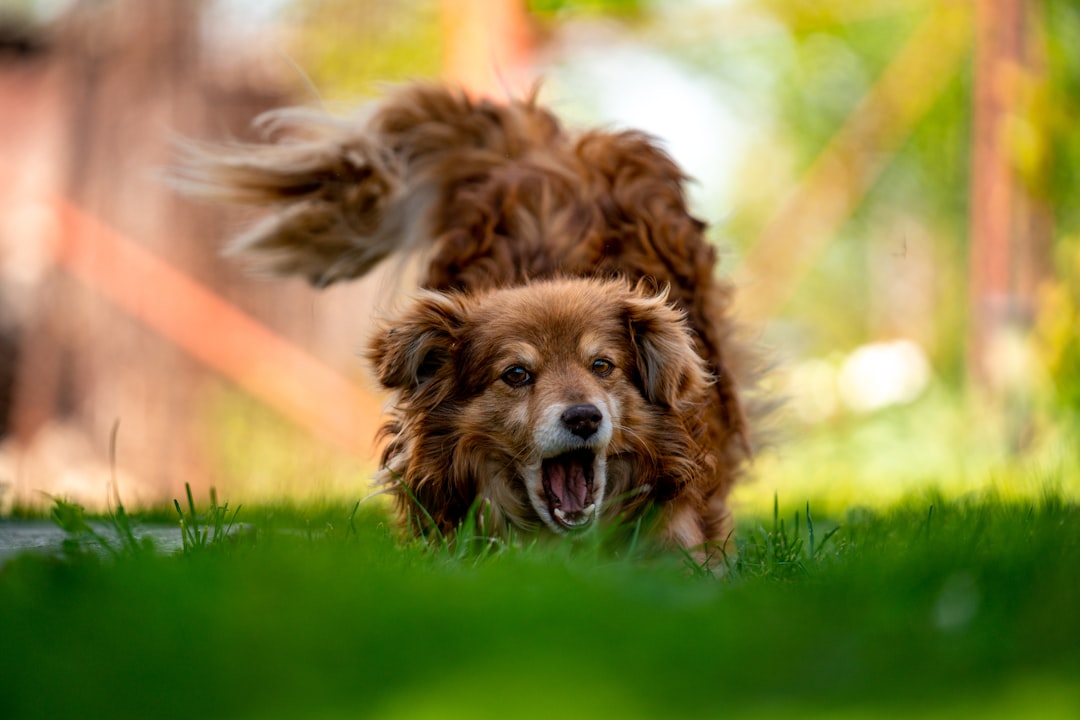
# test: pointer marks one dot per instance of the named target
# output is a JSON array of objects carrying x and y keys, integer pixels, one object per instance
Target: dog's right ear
[{"x": 409, "y": 353}]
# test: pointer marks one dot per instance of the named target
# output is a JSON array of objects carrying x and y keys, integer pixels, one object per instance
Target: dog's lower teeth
[{"x": 580, "y": 519}]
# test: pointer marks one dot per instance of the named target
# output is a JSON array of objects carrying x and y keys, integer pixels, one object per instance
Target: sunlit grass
[{"x": 930, "y": 607}]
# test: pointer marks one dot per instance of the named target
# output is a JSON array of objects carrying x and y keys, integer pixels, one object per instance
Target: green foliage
[
  {"x": 352, "y": 49},
  {"x": 1057, "y": 331},
  {"x": 1059, "y": 109},
  {"x": 827, "y": 72},
  {"x": 552, "y": 8},
  {"x": 820, "y": 68}
]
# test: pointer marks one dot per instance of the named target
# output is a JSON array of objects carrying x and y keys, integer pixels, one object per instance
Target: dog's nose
[{"x": 582, "y": 420}]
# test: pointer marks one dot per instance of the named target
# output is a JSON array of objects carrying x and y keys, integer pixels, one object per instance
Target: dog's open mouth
[{"x": 568, "y": 484}]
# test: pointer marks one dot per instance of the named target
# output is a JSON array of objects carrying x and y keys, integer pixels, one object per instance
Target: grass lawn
[{"x": 933, "y": 608}]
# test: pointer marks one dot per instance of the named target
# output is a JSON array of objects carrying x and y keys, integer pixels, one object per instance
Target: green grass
[{"x": 934, "y": 608}]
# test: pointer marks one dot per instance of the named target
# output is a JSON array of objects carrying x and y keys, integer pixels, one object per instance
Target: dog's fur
[{"x": 570, "y": 355}]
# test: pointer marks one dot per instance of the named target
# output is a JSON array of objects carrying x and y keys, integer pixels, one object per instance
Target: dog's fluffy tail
[{"x": 347, "y": 193}]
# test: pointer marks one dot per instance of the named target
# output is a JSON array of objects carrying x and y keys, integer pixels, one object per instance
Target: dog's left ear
[
  {"x": 411, "y": 353},
  {"x": 672, "y": 373}
]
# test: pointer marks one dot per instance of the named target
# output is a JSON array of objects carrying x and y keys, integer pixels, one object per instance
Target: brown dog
[{"x": 569, "y": 359}]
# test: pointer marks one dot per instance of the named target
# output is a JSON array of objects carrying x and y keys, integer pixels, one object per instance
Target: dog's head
[{"x": 521, "y": 397}]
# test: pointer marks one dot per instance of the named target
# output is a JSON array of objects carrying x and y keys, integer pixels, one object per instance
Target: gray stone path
[{"x": 43, "y": 536}]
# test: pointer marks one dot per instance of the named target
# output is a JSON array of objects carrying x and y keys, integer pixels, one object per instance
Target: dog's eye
[
  {"x": 602, "y": 367},
  {"x": 516, "y": 376}
]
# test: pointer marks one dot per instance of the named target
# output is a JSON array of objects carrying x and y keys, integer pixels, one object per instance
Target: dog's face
[
  {"x": 526, "y": 394},
  {"x": 554, "y": 391}
]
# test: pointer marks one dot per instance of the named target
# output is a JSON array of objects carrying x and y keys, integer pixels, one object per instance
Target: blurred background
[{"x": 894, "y": 186}]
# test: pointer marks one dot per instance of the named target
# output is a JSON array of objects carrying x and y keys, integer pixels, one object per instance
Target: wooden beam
[
  {"x": 999, "y": 38},
  {"x": 839, "y": 178},
  {"x": 214, "y": 332}
]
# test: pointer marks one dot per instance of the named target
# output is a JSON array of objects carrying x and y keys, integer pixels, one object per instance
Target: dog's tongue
[{"x": 565, "y": 476}]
